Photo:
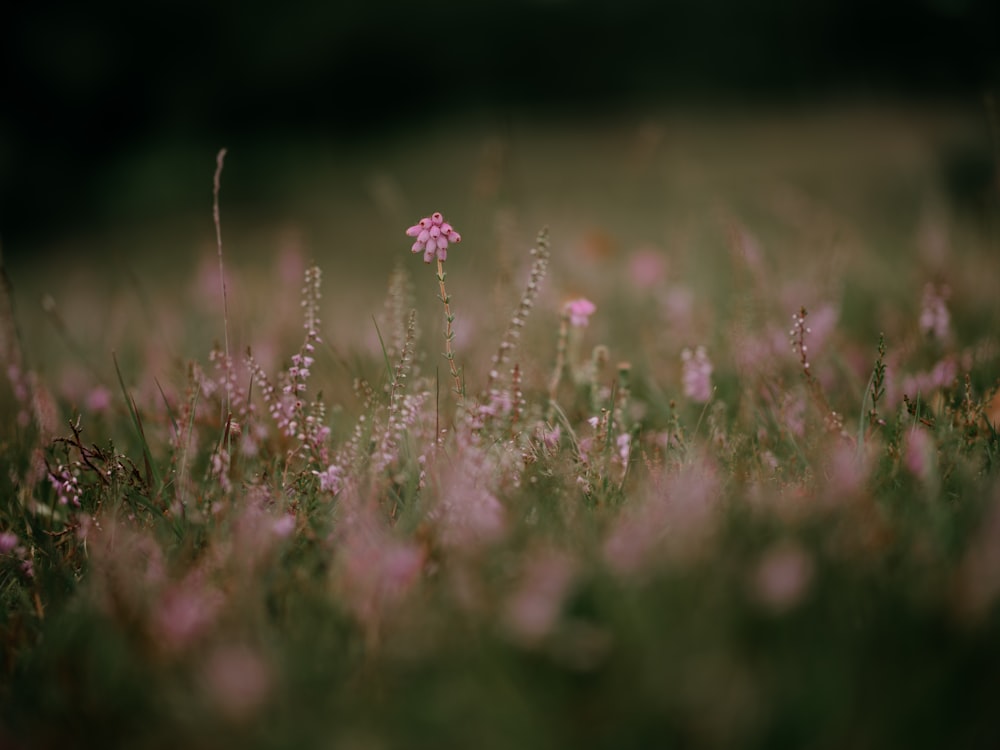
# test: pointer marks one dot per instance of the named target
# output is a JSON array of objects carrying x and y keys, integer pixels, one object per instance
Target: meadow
[{"x": 688, "y": 440}]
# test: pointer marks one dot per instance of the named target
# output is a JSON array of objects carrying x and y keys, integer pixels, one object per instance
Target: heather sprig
[
  {"x": 697, "y": 374},
  {"x": 401, "y": 412},
  {"x": 539, "y": 266},
  {"x": 575, "y": 315},
  {"x": 876, "y": 386},
  {"x": 300, "y": 420},
  {"x": 433, "y": 235},
  {"x": 799, "y": 334}
]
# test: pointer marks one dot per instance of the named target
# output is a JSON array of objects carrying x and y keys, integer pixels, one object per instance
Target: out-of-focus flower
[
  {"x": 283, "y": 526},
  {"x": 533, "y": 610},
  {"x": 98, "y": 399},
  {"x": 935, "y": 321},
  {"x": 697, "y": 374},
  {"x": 185, "y": 612},
  {"x": 624, "y": 443},
  {"x": 433, "y": 235},
  {"x": 237, "y": 679},
  {"x": 919, "y": 453},
  {"x": 331, "y": 480},
  {"x": 783, "y": 577},
  {"x": 8, "y": 541},
  {"x": 579, "y": 311},
  {"x": 647, "y": 268}
]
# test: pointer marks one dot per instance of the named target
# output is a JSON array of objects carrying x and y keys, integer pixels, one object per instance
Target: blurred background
[
  {"x": 829, "y": 128},
  {"x": 112, "y": 112}
]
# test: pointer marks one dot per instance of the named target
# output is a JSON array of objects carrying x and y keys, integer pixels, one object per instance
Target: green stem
[{"x": 449, "y": 334}]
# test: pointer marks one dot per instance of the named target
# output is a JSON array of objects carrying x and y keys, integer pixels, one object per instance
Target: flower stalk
[{"x": 433, "y": 235}]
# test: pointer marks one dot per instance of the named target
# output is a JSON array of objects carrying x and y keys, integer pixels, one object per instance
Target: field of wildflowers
[{"x": 707, "y": 458}]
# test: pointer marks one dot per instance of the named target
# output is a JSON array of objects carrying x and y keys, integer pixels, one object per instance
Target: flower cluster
[
  {"x": 579, "y": 311},
  {"x": 67, "y": 485},
  {"x": 697, "y": 374},
  {"x": 11, "y": 546},
  {"x": 433, "y": 234},
  {"x": 798, "y": 334}
]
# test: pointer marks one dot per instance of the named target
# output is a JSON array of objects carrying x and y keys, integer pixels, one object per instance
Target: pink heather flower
[
  {"x": 433, "y": 234},
  {"x": 935, "y": 320},
  {"x": 919, "y": 453},
  {"x": 66, "y": 484},
  {"x": 783, "y": 577},
  {"x": 647, "y": 268},
  {"x": 532, "y": 611},
  {"x": 98, "y": 399},
  {"x": 185, "y": 612},
  {"x": 579, "y": 311},
  {"x": 8, "y": 541},
  {"x": 330, "y": 480},
  {"x": 697, "y": 374},
  {"x": 283, "y": 526},
  {"x": 674, "y": 520},
  {"x": 624, "y": 443},
  {"x": 551, "y": 437}
]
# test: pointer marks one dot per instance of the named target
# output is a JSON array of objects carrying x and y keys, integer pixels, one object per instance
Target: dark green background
[{"x": 89, "y": 87}]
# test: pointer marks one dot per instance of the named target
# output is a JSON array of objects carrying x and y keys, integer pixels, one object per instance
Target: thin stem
[
  {"x": 449, "y": 334},
  {"x": 560, "y": 363},
  {"x": 216, "y": 187}
]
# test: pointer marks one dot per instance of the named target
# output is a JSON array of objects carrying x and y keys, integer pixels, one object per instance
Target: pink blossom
[
  {"x": 941, "y": 376},
  {"x": 469, "y": 514},
  {"x": 185, "y": 612},
  {"x": 674, "y": 519},
  {"x": 919, "y": 453},
  {"x": 433, "y": 234},
  {"x": 99, "y": 399},
  {"x": 66, "y": 484},
  {"x": 624, "y": 443},
  {"x": 330, "y": 480},
  {"x": 8, "y": 541},
  {"x": 647, "y": 268},
  {"x": 283, "y": 526},
  {"x": 697, "y": 374},
  {"x": 377, "y": 570},
  {"x": 551, "y": 437},
  {"x": 935, "y": 321},
  {"x": 533, "y": 609},
  {"x": 782, "y": 577},
  {"x": 579, "y": 311}
]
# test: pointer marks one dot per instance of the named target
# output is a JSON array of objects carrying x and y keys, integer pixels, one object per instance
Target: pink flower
[
  {"x": 697, "y": 375},
  {"x": 533, "y": 609},
  {"x": 783, "y": 577},
  {"x": 579, "y": 311},
  {"x": 99, "y": 399},
  {"x": 433, "y": 234},
  {"x": 647, "y": 268},
  {"x": 330, "y": 480},
  {"x": 8, "y": 541},
  {"x": 185, "y": 612},
  {"x": 919, "y": 453},
  {"x": 283, "y": 526},
  {"x": 935, "y": 321}
]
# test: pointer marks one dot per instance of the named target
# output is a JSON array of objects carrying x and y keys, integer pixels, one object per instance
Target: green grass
[{"x": 408, "y": 567}]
